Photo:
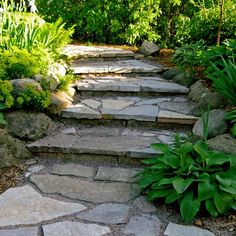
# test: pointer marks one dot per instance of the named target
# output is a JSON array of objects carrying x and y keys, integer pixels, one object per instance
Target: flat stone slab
[
  {"x": 117, "y": 67},
  {"x": 144, "y": 205},
  {"x": 91, "y": 191},
  {"x": 108, "y": 145},
  {"x": 25, "y": 206},
  {"x": 117, "y": 174},
  {"x": 129, "y": 84},
  {"x": 162, "y": 109},
  {"x": 77, "y": 51},
  {"x": 31, "y": 231},
  {"x": 143, "y": 225},
  {"x": 74, "y": 170},
  {"x": 183, "y": 230},
  {"x": 69, "y": 228},
  {"x": 108, "y": 213}
]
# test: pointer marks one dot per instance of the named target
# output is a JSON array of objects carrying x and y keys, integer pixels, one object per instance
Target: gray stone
[
  {"x": 11, "y": 150},
  {"x": 211, "y": 99},
  {"x": 149, "y": 48},
  {"x": 116, "y": 174},
  {"x": 51, "y": 80},
  {"x": 183, "y": 230},
  {"x": 36, "y": 168},
  {"x": 197, "y": 90},
  {"x": 91, "y": 103},
  {"x": 185, "y": 79},
  {"x": 141, "y": 113},
  {"x": 31, "y": 231},
  {"x": 69, "y": 131},
  {"x": 27, "y": 125},
  {"x": 97, "y": 192},
  {"x": 171, "y": 117},
  {"x": 25, "y": 206},
  {"x": 59, "y": 142},
  {"x": 170, "y": 74},
  {"x": 165, "y": 139},
  {"x": 143, "y": 225},
  {"x": 112, "y": 104},
  {"x": 108, "y": 213},
  {"x": 180, "y": 107},
  {"x": 56, "y": 69},
  {"x": 180, "y": 99},
  {"x": 153, "y": 101},
  {"x": 223, "y": 143},
  {"x": 216, "y": 124},
  {"x": 81, "y": 111},
  {"x": 144, "y": 205},
  {"x": 69, "y": 228},
  {"x": 73, "y": 169},
  {"x": 22, "y": 84},
  {"x": 139, "y": 56},
  {"x": 59, "y": 100},
  {"x": 147, "y": 152}
]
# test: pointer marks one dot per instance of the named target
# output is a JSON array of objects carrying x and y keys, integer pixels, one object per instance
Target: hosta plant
[{"x": 193, "y": 176}]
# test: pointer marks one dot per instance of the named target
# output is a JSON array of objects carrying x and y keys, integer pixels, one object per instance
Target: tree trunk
[{"x": 220, "y": 21}]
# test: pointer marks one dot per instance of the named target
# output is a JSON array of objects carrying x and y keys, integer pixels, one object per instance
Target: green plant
[
  {"x": 65, "y": 81},
  {"x": 6, "y": 98},
  {"x": 33, "y": 98},
  {"x": 2, "y": 118},
  {"x": 231, "y": 116},
  {"x": 193, "y": 176}
]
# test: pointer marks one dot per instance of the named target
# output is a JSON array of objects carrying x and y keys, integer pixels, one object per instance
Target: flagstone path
[{"x": 84, "y": 184}]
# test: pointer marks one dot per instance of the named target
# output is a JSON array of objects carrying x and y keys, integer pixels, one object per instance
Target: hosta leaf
[
  {"x": 233, "y": 130},
  {"x": 180, "y": 184},
  {"x": 200, "y": 148},
  {"x": 149, "y": 178},
  {"x": 154, "y": 194},
  {"x": 234, "y": 206},
  {"x": 210, "y": 206},
  {"x": 231, "y": 189},
  {"x": 224, "y": 181},
  {"x": 205, "y": 190},
  {"x": 161, "y": 147},
  {"x": 186, "y": 148},
  {"x": 217, "y": 159},
  {"x": 172, "y": 197},
  {"x": 189, "y": 207},
  {"x": 2, "y": 119},
  {"x": 172, "y": 160},
  {"x": 150, "y": 161},
  {"x": 223, "y": 201}
]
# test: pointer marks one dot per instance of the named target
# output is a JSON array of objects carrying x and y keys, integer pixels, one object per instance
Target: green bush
[
  {"x": 193, "y": 176},
  {"x": 16, "y": 63},
  {"x": 6, "y": 98}
]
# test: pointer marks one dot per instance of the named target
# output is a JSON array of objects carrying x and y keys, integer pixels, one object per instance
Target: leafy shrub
[
  {"x": 33, "y": 98},
  {"x": 65, "y": 81},
  {"x": 6, "y": 98},
  {"x": 193, "y": 176},
  {"x": 17, "y": 63}
]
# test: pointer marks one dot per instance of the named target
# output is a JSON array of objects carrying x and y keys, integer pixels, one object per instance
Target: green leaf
[
  {"x": 200, "y": 148},
  {"x": 223, "y": 201},
  {"x": 186, "y": 148},
  {"x": 2, "y": 119},
  {"x": 205, "y": 190},
  {"x": 150, "y": 161},
  {"x": 149, "y": 178},
  {"x": 210, "y": 206},
  {"x": 217, "y": 159},
  {"x": 231, "y": 189},
  {"x": 189, "y": 207},
  {"x": 225, "y": 181},
  {"x": 161, "y": 147},
  {"x": 172, "y": 160},
  {"x": 233, "y": 131},
  {"x": 180, "y": 184},
  {"x": 154, "y": 194},
  {"x": 172, "y": 197},
  {"x": 234, "y": 206}
]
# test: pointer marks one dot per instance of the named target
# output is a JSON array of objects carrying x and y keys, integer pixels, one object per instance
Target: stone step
[
  {"x": 116, "y": 67},
  {"x": 77, "y": 51},
  {"x": 102, "y": 144},
  {"x": 155, "y": 111},
  {"x": 141, "y": 85}
]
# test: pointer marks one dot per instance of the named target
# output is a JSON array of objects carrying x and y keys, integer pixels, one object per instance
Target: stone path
[{"x": 107, "y": 131}]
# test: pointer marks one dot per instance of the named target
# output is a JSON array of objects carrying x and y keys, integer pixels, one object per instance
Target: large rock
[
  {"x": 21, "y": 84},
  {"x": 197, "y": 90},
  {"x": 11, "y": 150},
  {"x": 149, "y": 48},
  {"x": 217, "y": 124},
  {"x": 59, "y": 101},
  {"x": 185, "y": 79},
  {"x": 170, "y": 74},
  {"x": 210, "y": 99},
  {"x": 50, "y": 81},
  {"x": 30, "y": 126},
  {"x": 223, "y": 143}
]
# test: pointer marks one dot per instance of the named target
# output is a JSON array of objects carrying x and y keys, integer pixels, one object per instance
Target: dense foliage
[
  {"x": 193, "y": 176},
  {"x": 169, "y": 22}
]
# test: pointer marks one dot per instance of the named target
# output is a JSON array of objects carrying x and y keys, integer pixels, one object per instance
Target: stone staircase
[
  {"x": 122, "y": 106},
  {"x": 89, "y": 188}
]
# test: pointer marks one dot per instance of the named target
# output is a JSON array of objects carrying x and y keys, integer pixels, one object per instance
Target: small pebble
[
  {"x": 231, "y": 229},
  {"x": 198, "y": 222}
]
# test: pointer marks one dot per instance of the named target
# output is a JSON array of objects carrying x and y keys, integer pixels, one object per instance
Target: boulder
[
  {"x": 20, "y": 85},
  {"x": 223, "y": 143},
  {"x": 30, "y": 126},
  {"x": 138, "y": 56},
  {"x": 209, "y": 99},
  {"x": 11, "y": 150},
  {"x": 197, "y": 90},
  {"x": 149, "y": 48},
  {"x": 185, "y": 79},
  {"x": 170, "y": 74},
  {"x": 59, "y": 101},
  {"x": 216, "y": 124},
  {"x": 57, "y": 69},
  {"x": 51, "y": 82}
]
